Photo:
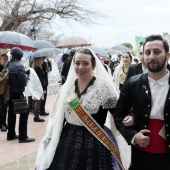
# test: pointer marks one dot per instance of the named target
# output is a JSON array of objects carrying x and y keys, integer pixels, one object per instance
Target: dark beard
[{"x": 158, "y": 68}]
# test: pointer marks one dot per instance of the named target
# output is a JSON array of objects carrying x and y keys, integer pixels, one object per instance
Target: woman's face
[
  {"x": 4, "y": 60},
  {"x": 126, "y": 58},
  {"x": 40, "y": 60},
  {"x": 83, "y": 66}
]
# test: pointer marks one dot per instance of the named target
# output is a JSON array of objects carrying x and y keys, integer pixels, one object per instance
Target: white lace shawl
[
  {"x": 96, "y": 95},
  {"x": 116, "y": 74},
  {"x": 99, "y": 94}
]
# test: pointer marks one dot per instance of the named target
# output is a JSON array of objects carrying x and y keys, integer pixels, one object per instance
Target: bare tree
[
  {"x": 42, "y": 31},
  {"x": 15, "y": 13}
]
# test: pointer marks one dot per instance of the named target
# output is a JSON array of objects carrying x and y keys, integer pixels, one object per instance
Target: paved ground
[{"x": 21, "y": 156}]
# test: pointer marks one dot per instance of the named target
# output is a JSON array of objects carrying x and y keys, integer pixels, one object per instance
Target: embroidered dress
[
  {"x": 74, "y": 145},
  {"x": 78, "y": 148}
]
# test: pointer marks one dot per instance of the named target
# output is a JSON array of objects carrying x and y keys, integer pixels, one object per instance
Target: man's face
[
  {"x": 141, "y": 54},
  {"x": 155, "y": 57}
]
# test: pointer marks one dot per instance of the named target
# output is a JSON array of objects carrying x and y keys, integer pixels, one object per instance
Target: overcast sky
[{"x": 126, "y": 19}]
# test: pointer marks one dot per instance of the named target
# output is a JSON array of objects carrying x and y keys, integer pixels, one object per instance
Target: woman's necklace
[
  {"x": 81, "y": 88},
  {"x": 125, "y": 69}
]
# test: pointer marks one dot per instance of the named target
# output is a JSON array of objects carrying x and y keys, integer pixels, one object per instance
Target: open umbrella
[
  {"x": 10, "y": 39},
  {"x": 101, "y": 52},
  {"x": 72, "y": 42},
  {"x": 45, "y": 52},
  {"x": 39, "y": 44},
  {"x": 120, "y": 48},
  {"x": 58, "y": 57},
  {"x": 26, "y": 54},
  {"x": 55, "y": 50}
]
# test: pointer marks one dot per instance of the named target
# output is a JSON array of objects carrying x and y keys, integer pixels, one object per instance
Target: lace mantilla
[{"x": 96, "y": 95}]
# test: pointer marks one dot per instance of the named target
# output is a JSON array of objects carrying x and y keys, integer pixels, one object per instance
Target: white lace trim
[{"x": 97, "y": 95}]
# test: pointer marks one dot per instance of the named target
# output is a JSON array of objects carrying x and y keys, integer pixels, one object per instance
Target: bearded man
[{"x": 149, "y": 95}]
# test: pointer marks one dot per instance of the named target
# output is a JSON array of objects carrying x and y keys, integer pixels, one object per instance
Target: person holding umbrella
[
  {"x": 46, "y": 67},
  {"x": 66, "y": 65},
  {"x": 38, "y": 59},
  {"x": 17, "y": 84},
  {"x": 37, "y": 66}
]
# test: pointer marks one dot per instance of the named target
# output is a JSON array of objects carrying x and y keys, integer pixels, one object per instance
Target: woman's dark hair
[
  {"x": 87, "y": 51},
  {"x": 130, "y": 55},
  {"x": 157, "y": 37},
  {"x": 64, "y": 57}
]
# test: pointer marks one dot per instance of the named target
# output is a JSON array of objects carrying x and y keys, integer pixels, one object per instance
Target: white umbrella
[
  {"x": 101, "y": 52},
  {"x": 72, "y": 42},
  {"x": 40, "y": 44},
  {"x": 10, "y": 39},
  {"x": 45, "y": 52},
  {"x": 120, "y": 48}
]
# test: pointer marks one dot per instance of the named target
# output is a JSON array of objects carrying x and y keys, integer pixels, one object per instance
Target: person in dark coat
[
  {"x": 135, "y": 69},
  {"x": 64, "y": 58},
  {"x": 3, "y": 103},
  {"x": 67, "y": 64},
  {"x": 49, "y": 64},
  {"x": 37, "y": 66},
  {"x": 46, "y": 66},
  {"x": 140, "y": 68},
  {"x": 30, "y": 100},
  {"x": 17, "y": 84},
  {"x": 149, "y": 95}
]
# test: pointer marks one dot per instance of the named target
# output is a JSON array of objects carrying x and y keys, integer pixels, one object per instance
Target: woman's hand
[{"x": 128, "y": 121}]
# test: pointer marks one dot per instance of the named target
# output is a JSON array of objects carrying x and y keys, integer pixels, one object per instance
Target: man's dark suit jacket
[
  {"x": 66, "y": 67},
  {"x": 134, "y": 70},
  {"x": 136, "y": 93}
]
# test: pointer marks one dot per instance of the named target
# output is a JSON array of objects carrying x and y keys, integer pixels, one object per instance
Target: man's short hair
[
  {"x": 72, "y": 52},
  {"x": 157, "y": 37}
]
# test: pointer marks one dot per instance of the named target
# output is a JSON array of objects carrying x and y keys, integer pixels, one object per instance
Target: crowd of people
[
  {"x": 13, "y": 82},
  {"x": 132, "y": 98}
]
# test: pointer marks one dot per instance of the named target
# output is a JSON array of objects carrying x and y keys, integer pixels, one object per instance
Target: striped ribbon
[{"x": 94, "y": 128}]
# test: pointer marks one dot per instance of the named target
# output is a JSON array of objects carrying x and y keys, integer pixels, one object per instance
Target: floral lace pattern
[{"x": 96, "y": 95}]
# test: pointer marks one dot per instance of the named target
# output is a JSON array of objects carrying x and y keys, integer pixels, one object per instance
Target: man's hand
[
  {"x": 128, "y": 121},
  {"x": 141, "y": 139}
]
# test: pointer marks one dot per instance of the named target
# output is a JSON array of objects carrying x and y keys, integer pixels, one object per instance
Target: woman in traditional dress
[
  {"x": 121, "y": 70},
  {"x": 82, "y": 141}
]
